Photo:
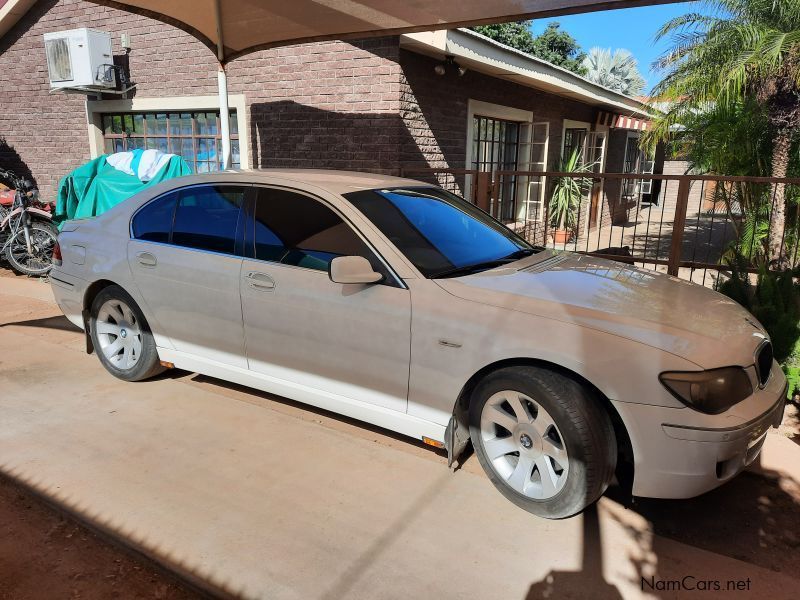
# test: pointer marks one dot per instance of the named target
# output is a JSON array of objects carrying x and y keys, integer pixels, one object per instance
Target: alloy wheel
[
  {"x": 119, "y": 334},
  {"x": 523, "y": 445}
]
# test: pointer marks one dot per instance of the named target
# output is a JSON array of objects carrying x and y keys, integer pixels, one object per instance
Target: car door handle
[
  {"x": 146, "y": 259},
  {"x": 260, "y": 281}
]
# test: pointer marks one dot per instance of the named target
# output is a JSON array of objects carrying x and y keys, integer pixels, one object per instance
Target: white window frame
[
  {"x": 528, "y": 205},
  {"x": 599, "y": 129},
  {"x": 96, "y": 108},
  {"x": 644, "y": 186},
  {"x": 494, "y": 111},
  {"x": 606, "y": 133},
  {"x": 507, "y": 113},
  {"x": 570, "y": 124}
]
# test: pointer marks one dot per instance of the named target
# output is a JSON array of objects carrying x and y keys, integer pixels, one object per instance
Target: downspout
[{"x": 222, "y": 85}]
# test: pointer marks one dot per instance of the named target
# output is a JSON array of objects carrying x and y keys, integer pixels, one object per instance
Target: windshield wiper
[
  {"x": 485, "y": 265},
  {"x": 474, "y": 268},
  {"x": 521, "y": 253}
]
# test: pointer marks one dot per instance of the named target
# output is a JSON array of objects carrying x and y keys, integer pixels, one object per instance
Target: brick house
[{"x": 375, "y": 105}]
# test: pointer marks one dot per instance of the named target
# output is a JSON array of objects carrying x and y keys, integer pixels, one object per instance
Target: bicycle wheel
[{"x": 40, "y": 260}]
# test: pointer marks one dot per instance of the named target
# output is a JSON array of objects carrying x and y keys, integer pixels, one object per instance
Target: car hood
[{"x": 664, "y": 312}]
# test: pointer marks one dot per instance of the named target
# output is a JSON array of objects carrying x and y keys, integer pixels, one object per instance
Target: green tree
[
  {"x": 553, "y": 45},
  {"x": 733, "y": 139},
  {"x": 517, "y": 35},
  {"x": 735, "y": 51},
  {"x": 616, "y": 71},
  {"x": 559, "y": 48}
]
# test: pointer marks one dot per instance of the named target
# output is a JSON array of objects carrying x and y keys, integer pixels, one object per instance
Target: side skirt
[{"x": 369, "y": 413}]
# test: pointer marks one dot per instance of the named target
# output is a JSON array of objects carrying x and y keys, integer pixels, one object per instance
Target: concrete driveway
[{"x": 253, "y": 496}]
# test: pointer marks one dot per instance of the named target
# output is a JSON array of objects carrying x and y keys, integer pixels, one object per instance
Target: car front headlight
[{"x": 711, "y": 392}]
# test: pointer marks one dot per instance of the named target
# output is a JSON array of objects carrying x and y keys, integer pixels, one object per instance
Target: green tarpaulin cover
[{"x": 95, "y": 187}]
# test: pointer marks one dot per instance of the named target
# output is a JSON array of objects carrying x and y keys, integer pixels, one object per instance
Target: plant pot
[{"x": 561, "y": 236}]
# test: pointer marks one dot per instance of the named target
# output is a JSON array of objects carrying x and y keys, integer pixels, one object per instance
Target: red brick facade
[
  {"x": 434, "y": 109},
  {"x": 330, "y": 104},
  {"x": 363, "y": 105}
]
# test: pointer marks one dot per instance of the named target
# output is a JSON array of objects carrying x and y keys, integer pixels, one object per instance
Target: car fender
[{"x": 454, "y": 340}]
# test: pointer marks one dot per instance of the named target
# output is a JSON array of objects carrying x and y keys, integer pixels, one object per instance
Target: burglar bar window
[
  {"x": 196, "y": 136},
  {"x": 574, "y": 139},
  {"x": 495, "y": 147}
]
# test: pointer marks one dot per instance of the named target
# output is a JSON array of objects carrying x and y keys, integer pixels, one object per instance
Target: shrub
[{"x": 774, "y": 300}]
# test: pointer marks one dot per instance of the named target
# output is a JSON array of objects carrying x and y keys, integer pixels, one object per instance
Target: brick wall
[
  {"x": 668, "y": 197},
  {"x": 434, "y": 110},
  {"x": 331, "y": 104},
  {"x": 47, "y": 133},
  {"x": 363, "y": 105}
]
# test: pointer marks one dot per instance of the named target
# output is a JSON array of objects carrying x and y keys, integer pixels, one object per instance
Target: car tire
[
  {"x": 121, "y": 337},
  {"x": 543, "y": 439}
]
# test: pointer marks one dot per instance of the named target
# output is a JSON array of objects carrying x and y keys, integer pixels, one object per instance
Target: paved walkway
[{"x": 256, "y": 497}]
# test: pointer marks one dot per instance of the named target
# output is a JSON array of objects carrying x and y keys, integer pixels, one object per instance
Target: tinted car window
[
  {"x": 207, "y": 216},
  {"x": 437, "y": 230},
  {"x": 293, "y": 229},
  {"x": 154, "y": 222}
]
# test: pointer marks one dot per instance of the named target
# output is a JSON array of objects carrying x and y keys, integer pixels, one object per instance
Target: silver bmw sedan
[{"x": 400, "y": 304}]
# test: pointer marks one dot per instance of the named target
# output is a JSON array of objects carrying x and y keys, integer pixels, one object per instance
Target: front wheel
[
  {"x": 39, "y": 260},
  {"x": 543, "y": 440}
]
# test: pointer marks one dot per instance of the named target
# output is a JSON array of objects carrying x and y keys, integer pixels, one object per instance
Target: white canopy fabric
[
  {"x": 232, "y": 28},
  {"x": 249, "y": 25}
]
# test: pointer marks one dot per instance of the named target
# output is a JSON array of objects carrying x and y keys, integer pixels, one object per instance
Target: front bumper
[{"x": 678, "y": 454}]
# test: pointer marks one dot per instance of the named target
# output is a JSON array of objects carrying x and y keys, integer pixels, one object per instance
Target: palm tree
[
  {"x": 737, "y": 50},
  {"x": 618, "y": 71}
]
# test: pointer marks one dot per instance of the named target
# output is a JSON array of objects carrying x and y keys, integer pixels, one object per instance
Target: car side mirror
[{"x": 352, "y": 269}]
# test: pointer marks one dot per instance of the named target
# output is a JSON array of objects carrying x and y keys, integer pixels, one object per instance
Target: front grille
[{"x": 764, "y": 362}]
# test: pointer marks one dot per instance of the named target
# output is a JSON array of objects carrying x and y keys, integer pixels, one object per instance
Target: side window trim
[
  {"x": 241, "y": 223},
  {"x": 398, "y": 281},
  {"x": 239, "y": 240},
  {"x": 178, "y": 194}
]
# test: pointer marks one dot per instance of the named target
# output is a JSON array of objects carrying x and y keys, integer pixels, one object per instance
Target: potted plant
[{"x": 566, "y": 197}]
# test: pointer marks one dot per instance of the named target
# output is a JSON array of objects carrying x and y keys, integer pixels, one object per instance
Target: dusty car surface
[{"x": 400, "y": 304}]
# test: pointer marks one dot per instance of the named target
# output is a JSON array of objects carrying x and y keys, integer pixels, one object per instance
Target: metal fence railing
[{"x": 691, "y": 226}]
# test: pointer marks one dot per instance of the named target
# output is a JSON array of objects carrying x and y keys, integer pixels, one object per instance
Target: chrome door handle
[
  {"x": 260, "y": 281},
  {"x": 146, "y": 259}
]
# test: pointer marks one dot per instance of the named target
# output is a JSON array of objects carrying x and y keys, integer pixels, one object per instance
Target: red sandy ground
[{"x": 44, "y": 554}]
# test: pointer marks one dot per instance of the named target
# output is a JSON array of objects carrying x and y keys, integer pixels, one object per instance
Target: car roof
[{"x": 338, "y": 182}]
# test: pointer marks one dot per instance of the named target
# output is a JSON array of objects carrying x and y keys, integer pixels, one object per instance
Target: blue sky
[{"x": 631, "y": 28}]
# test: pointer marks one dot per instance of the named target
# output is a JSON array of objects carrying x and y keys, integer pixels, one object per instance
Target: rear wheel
[
  {"x": 543, "y": 440},
  {"x": 121, "y": 337},
  {"x": 39, "y": 260}
]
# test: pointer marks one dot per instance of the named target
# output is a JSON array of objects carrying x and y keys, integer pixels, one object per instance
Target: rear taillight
[{"x": 57, "y": 255}]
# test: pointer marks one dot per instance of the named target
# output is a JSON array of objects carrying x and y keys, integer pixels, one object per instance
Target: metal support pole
[
  {"x": 224, "y": 117},
  {"x": 222, "y": 84}
]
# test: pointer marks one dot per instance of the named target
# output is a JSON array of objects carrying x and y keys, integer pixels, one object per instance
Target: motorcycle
[{"x": 27, "y": 233}]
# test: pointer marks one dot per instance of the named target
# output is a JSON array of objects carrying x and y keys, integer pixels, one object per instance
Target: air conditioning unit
[{"x": 80, "y": 59}]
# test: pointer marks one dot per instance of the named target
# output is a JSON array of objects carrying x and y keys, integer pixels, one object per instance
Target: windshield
[{"x": 439, "y": 232}]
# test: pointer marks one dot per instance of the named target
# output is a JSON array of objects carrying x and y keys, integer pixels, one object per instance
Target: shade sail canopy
[{"x": 249, "y": 25}]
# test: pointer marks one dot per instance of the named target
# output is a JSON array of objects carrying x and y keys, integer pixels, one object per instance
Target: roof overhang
[
  {"x": 481, "y": 54},
  {"x": 12, "y": 11},
  {"x": 232, "y": 28}
]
